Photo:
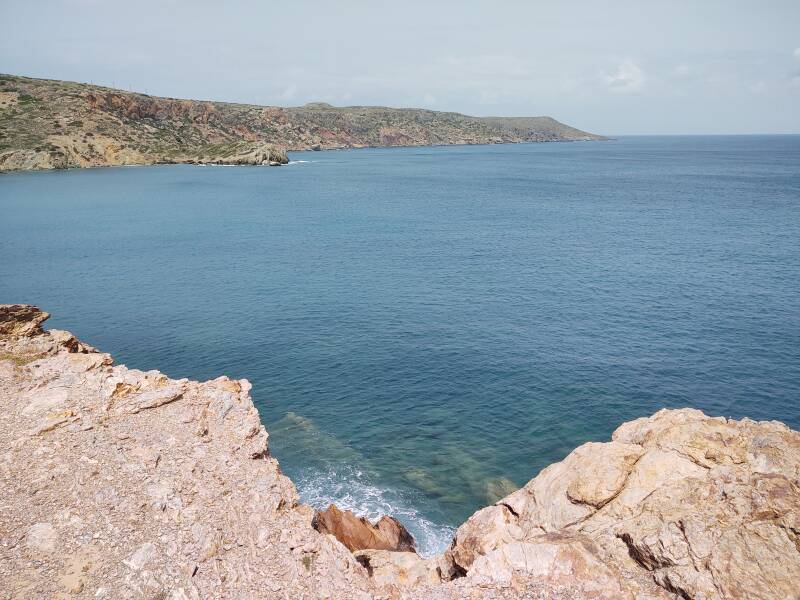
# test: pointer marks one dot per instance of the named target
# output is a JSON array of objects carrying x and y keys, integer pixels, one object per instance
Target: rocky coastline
[
  {"x": 49, "y": 124},
  {"x": 119, "y": 483}
]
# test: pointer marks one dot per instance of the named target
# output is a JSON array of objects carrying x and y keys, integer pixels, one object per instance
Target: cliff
[
  {"x": 46, "y": 124},
  {"x": 119, "y": 483}
]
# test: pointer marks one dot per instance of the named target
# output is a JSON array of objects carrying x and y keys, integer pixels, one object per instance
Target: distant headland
[{"x": 49, "y": 124}]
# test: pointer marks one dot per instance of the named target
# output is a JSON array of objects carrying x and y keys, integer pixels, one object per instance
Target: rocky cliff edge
[{"x": 119, "y": 483}]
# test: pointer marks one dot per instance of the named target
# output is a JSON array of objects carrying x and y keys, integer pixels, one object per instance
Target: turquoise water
[{"x": 427, "y": 327}]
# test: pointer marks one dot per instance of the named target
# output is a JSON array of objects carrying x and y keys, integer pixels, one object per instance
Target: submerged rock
[{"x": 357, "y": 533}]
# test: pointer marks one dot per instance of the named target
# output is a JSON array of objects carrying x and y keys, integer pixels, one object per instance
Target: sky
[{"x": 614, "y": 67}]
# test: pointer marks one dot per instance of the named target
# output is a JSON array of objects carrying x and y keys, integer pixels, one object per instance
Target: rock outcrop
[
  {"x": 248, "y": 153},
  {"x": 119, "y": 483},
  {"x": 701, "y": 507},
  {"x": 21, "y": 320},
  {"x": 357, "y": 533}
]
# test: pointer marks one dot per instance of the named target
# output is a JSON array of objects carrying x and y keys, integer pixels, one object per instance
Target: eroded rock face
[
  {"x": 557, "y": 560},
  {"x": 118, "y": 483},
  {"x": 357, "y": 533},
  {"x": 701, "y": 507},
  {"x": 251, "y": 153},
  {"x": 21, "y": 319}
]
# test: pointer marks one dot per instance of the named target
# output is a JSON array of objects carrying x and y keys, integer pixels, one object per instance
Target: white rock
[
  {"x": 42, "y": 537},
  {"x": 139, "y": 559},
  {"x": 46, "y": 400}
]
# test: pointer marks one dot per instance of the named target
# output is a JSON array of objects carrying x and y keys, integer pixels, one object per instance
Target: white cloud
[
  {"x": 796, "y": 54},
  {"x": 628, "y": 77},
  {"x": 429, "y": 98}
]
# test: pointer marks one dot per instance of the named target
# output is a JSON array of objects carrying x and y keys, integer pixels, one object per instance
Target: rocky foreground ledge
[{"x": 118, "y": 483}]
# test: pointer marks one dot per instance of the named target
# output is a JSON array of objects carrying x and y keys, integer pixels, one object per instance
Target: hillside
[{"x": 48, "y": 124}]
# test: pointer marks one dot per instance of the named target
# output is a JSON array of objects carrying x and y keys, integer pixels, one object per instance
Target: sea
[{"x": 427, "y": 328}]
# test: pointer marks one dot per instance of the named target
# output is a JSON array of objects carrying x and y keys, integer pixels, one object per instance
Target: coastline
[
  {"x": 144, "y": 484},
  {"x": 50, "y": 124},
  {"x": 284, "y": 160}
]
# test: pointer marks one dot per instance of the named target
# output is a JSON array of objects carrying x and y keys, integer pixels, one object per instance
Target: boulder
[{"x": 357, "y": 533}]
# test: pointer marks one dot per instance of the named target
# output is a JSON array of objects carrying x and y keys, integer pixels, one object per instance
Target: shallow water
[{"x": 426, "y": 328}]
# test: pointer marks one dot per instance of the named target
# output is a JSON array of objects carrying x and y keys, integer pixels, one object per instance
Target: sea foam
[{"x": 349, "y": 488}]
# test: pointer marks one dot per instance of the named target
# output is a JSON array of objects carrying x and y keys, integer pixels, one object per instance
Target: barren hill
[{"x": 59, "y": 124}]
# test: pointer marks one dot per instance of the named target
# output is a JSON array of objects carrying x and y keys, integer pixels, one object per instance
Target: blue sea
[{"x": 427, "y": 328}]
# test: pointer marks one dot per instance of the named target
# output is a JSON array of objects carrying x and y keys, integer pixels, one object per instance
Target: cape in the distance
[{"x": 49, "y": 124}]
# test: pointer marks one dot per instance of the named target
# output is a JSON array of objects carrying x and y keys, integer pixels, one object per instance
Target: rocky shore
[
  {"x": 119, "y": 483},
  {"x": 49, "y": 124}
]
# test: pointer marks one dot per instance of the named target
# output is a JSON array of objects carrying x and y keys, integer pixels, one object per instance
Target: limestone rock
[
  {"x": 141, "y": 557},
  {"x": 357, "y": 533},
  {"x": 557, "y": 560},
  {"x": 704, "y": 507},
  {"x": 119, "y": 483},
  {"x": 398, "y": 569},
  {"x": 42, "y": 537}
]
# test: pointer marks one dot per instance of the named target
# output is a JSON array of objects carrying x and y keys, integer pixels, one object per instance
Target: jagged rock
[
  {"x": 397, "y": 570},
  {"x": 21, "y": 319},
  {"x": 120, "y": 483},
  {"x": 703, "y": 506},
  {"x": 357, "y": 533},
  {"x": 252, "y": 153},
  {"x": 70, "y": 342},
  {"x": 557, "y": 560}
]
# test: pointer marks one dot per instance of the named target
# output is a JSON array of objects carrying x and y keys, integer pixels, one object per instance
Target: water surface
[{"x": 426, "y": 328}]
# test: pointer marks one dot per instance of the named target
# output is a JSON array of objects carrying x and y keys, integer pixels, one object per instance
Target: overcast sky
[{"x": 608, "y": 67}]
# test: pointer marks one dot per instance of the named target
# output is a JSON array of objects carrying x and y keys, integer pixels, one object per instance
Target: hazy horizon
[{"x": 665, "y": 68}]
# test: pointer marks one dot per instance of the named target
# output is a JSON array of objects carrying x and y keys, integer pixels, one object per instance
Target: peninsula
[
  {"x": 48, "y": 124},
  {"x": 119, "y": 483}
]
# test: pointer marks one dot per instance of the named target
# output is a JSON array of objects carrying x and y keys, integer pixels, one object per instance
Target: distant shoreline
[{"x": 52, "y": 124}]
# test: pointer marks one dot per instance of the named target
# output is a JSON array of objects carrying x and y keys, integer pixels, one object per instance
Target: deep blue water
[{"x": 425, "y": 327}]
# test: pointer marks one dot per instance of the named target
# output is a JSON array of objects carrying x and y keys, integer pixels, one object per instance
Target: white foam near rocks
[{"x": 350, "y": 489}]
